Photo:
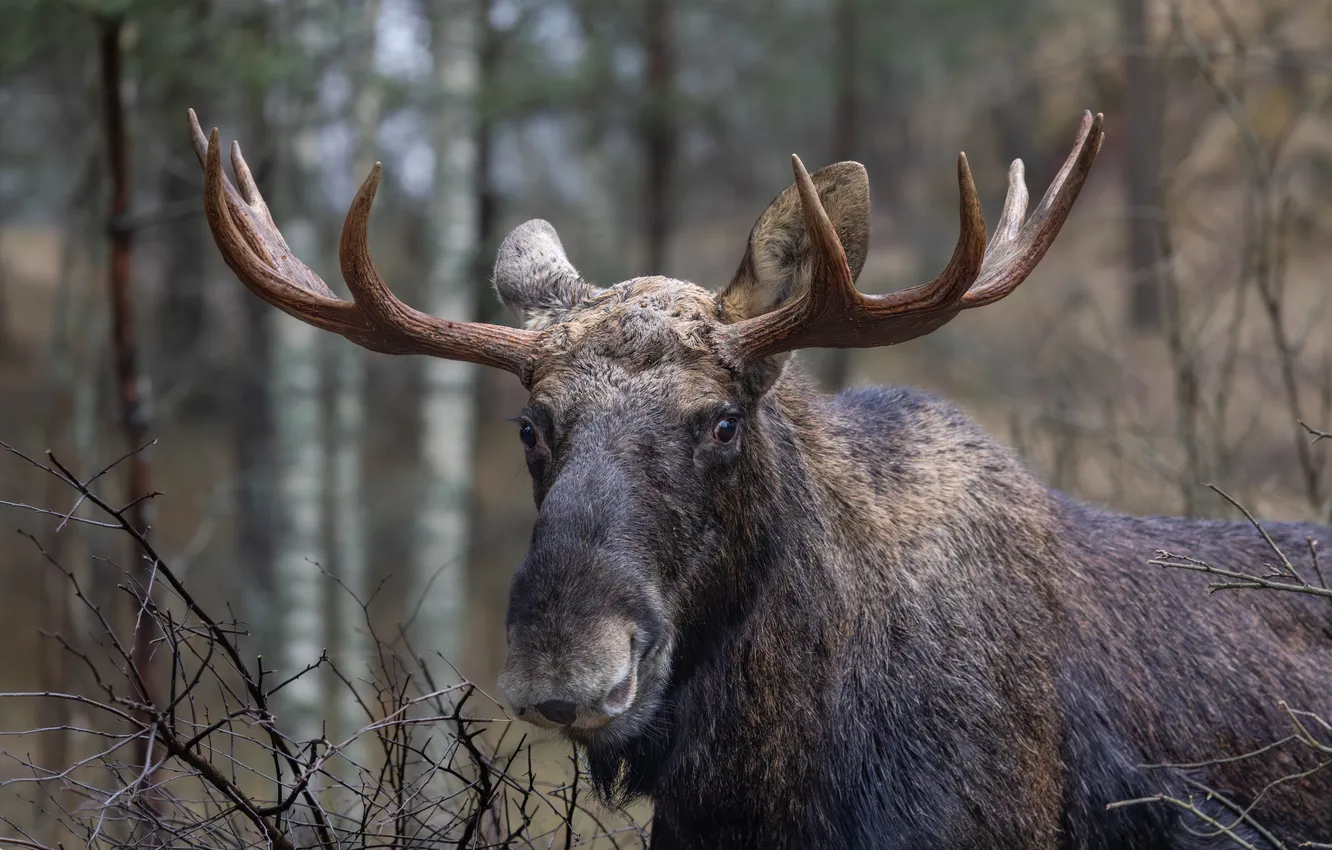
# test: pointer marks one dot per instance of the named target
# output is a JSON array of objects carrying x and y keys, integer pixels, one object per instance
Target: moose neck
[{"x": 865, "y": 519}]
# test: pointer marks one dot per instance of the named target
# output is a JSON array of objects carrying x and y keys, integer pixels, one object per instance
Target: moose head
[{"x": 656, "y": 424}]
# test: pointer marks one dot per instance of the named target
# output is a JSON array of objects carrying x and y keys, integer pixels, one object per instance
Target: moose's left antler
[{"x": 833, "y": 314}]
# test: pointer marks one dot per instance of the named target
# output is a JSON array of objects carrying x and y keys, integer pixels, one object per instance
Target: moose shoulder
[{"x": 793, "y": 620}]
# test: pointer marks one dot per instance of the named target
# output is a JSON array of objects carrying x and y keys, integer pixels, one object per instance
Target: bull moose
[{"x": 795, "y": 620}]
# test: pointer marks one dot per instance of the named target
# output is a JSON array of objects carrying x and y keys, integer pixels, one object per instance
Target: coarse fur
[{"x": 860, "y": 621}]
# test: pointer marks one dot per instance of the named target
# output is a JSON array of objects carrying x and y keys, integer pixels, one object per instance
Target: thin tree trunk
[
  {"x": 300, "y": 454},
  {"x": 296, "y": 399},
  {"x": 4, "y": 312},
  {"x": 253, "y": 431},
  {"x": 1142, "y": 168},
  {"x": 253, "y": 427},
  {"x": 63, "y": 375},
  {"x": 180, "y": 315},
  {"x": 659, "y": 132},
  {"x": 487, "y": 198},
  {"x": 132, "y": 385},
  {"x": 847, "y": 120},
  {"x": 448, "y": 387},
  {"x": 349, "y": 365}
]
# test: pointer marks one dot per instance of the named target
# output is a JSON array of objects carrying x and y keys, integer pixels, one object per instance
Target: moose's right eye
[{"x": 527, "y": 434}]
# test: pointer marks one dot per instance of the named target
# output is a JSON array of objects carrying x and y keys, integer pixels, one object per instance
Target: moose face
[
  {"x": 642, "y": 436},
  {"x": 634, "y": 436}
]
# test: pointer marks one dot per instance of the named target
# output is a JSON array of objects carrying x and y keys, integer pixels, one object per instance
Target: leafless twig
[{"x": 437, "y": 777}]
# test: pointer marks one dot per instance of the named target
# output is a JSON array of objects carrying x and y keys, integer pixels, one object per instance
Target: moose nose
[{"x": 560, "y": 711}]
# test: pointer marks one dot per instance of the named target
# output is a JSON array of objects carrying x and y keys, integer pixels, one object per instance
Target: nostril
[
  {"x": 559, "y": 711},
  {"x": 618, "y": 699}
]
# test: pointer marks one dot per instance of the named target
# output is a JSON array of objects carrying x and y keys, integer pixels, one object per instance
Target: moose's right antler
[
  {"x": 253, "y": 247},
  {"x": 833, "y": 314}
]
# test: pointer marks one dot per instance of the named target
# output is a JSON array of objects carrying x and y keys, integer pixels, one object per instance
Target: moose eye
[
  {"x": 527, "y": 434},
  {"x": 725, "y": 430}
]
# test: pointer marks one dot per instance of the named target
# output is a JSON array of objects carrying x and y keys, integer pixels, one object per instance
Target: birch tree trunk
[
  {"x": 447, "y": 387},
  {"x": 348, "y": 462},
  {"x": 299, "y": 461},
  {"x": 300, "y": 457}
]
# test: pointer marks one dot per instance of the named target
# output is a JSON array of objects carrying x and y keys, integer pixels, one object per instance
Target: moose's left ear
[{"x": 778, "y": 262}]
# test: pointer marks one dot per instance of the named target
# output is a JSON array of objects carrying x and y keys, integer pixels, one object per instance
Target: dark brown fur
[{"x": 863, "y": 623}]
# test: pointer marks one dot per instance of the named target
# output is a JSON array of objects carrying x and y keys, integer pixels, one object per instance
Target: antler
[
  {"x": 253, "y": 247},
  {"x": 833, "y": 314}
]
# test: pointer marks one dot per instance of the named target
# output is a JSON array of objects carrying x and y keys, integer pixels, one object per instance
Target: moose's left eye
[
  {"x": 527, "y": 434},
  {"x": 725, "y": 430}
]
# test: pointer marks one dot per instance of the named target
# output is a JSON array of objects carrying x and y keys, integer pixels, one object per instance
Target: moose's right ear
[
  {"x": 778, "y": 262},
  {"x": 535, "y": 279}
]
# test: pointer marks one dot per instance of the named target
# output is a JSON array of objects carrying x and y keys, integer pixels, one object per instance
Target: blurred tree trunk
[
  {"x": 439, "y": 567},
  {"x": 350, "y": 561},
  {"x": 1142, "y": 167},
  {"x": 181, "y": 324},
  {"x": 488, "y": 308},
  {"x": 253, "y": 429},
  {"x": 846, "y": 123},
  {"x": 658, "y": 130},
  {"x": 487, "y": 201},
  {"x": 180, "y": 319},
  {"x": 832, "y": 366},
  {"x": 4, "y": 312},
  {"x": 607, "y": 218},
  {"x": 253, "y": 433},
  {"x": 66, "y": 370},
  {"x": 132, "y": 384},
  {"x": 300, "y": 442},
  {"x": 296, "y": 387}
]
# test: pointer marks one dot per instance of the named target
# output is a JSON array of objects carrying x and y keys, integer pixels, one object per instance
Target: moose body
[
  {"x": 930, "y": 649},
  {"x": 791, "y": 620}
]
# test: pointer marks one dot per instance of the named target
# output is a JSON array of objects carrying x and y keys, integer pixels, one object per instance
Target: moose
[{"x": 790, "y": 619}]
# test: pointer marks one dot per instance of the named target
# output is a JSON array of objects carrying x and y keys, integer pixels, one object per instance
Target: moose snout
[
  {"x": 581, "y": 681},
  {"x": 567, "y": 702}
]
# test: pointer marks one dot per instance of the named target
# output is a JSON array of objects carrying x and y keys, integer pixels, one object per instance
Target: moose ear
[
  {"x": 778, "y": 261},
  {"x": 535, "y": 279}
]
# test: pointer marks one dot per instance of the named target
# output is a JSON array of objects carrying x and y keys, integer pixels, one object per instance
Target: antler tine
[
  {"x": 1015, "y": 209},
  {"x": 250, "y": 215},
  {"x": 963, "y": 267},
  {"x": 199, "y": 139},
  {"x": 832, "y": 281},
  {"x": 248, "y": 252},
  {"x": 1014, "y": 259},
  {"x": 367, "y": 288},
  {"x": 401, "y": 329}
]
